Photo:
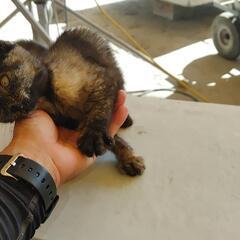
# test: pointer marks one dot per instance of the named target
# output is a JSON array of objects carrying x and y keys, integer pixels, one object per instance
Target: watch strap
[{"x": 36, "y": 175}]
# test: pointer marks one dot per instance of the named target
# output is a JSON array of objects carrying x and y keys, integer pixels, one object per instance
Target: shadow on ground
[{"x": 217, "y": 78}]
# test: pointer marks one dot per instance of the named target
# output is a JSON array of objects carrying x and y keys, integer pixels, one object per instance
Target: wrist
[{"x": 35, "y": 153}]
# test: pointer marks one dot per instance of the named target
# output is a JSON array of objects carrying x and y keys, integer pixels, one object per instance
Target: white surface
[
  {"x": 189, "y": 3},
  {"x": 190, "y": 190},
  {"x": 5, "y": 134}
]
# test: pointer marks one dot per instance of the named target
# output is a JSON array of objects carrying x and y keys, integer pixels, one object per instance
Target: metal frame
[
  {"x": 40, "y": 30},
  {"x": 232, "y": 6},
  {"x": 42, "y": 33},
  {"x": 44, "y": 16},
  {"x": 11, "y": 15}
]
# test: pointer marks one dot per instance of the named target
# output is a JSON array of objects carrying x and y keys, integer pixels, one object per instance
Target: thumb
[{"x": 118, "y": 119}]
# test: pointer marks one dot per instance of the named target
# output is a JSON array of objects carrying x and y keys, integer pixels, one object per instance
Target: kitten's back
[
  {"x": 77, "y": 59},
  {"x": 90, "y": 44}
]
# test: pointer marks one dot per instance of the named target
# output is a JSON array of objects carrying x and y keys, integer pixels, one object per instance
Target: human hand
[{"x": 55, "y": 148}]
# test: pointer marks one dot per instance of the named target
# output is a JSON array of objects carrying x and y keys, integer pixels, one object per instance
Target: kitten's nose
[{"x": 16, "y": 108}]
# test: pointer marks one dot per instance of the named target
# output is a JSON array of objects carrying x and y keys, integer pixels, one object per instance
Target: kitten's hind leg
[
  {"x": 128, "y": 122},
  {"x": 128, "y": 162},
  {"x": 94, "y": 137}
]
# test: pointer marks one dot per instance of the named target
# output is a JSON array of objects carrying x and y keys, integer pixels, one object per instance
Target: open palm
[{"x": 54, "y": 147}]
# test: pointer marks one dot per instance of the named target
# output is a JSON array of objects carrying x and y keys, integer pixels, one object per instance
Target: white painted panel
[{"x": 189, "y": 3}]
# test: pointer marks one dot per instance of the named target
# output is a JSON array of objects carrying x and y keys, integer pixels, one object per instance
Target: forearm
[{"x": 21, "y": 209}]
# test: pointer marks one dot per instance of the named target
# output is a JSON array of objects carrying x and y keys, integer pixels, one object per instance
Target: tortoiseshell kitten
[{"x": 76, "y": 81}]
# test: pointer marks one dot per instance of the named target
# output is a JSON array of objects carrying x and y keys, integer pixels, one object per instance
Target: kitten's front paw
[
  {"x": 133, "y": 166},
  {"x": 94, "y": 142}
]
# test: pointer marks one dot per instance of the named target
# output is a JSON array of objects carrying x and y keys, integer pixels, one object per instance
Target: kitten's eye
[{"x": 4, "y": 81}]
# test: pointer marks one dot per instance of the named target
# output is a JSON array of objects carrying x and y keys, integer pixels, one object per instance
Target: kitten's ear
[{"x": 5, "y": 47}]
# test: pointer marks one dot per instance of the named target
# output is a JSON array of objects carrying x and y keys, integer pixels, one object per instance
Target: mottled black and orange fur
[{"x": 76, "y": 81}]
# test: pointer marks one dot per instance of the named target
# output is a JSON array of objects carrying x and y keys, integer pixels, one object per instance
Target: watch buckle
[{"x": 11, "y": 162}]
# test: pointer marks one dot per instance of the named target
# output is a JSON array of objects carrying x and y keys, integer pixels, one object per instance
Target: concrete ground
[{"x": 190, "y": 189}]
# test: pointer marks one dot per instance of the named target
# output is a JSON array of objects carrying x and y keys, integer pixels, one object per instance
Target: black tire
[{"x": 226, "y": 35}]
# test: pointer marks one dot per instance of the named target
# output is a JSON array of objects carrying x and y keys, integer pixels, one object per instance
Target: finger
[
  {"x": 90, "y": 161},
  {"x": 121, "y": 99},
  {"x": 76, "y": 162},
  {"x": 118, "y": 119}
]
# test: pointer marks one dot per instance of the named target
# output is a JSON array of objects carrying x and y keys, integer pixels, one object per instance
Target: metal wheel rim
[{"x": 225, "y": 38}]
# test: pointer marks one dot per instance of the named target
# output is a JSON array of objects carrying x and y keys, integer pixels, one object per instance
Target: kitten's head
[{"x": 21, "y": 81}]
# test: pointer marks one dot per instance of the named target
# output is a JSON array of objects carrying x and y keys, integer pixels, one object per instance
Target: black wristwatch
[{"x": 24, "y": 169}]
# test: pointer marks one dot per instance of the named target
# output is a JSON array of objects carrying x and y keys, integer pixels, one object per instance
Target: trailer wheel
[{"x": 226, "y": 35}]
